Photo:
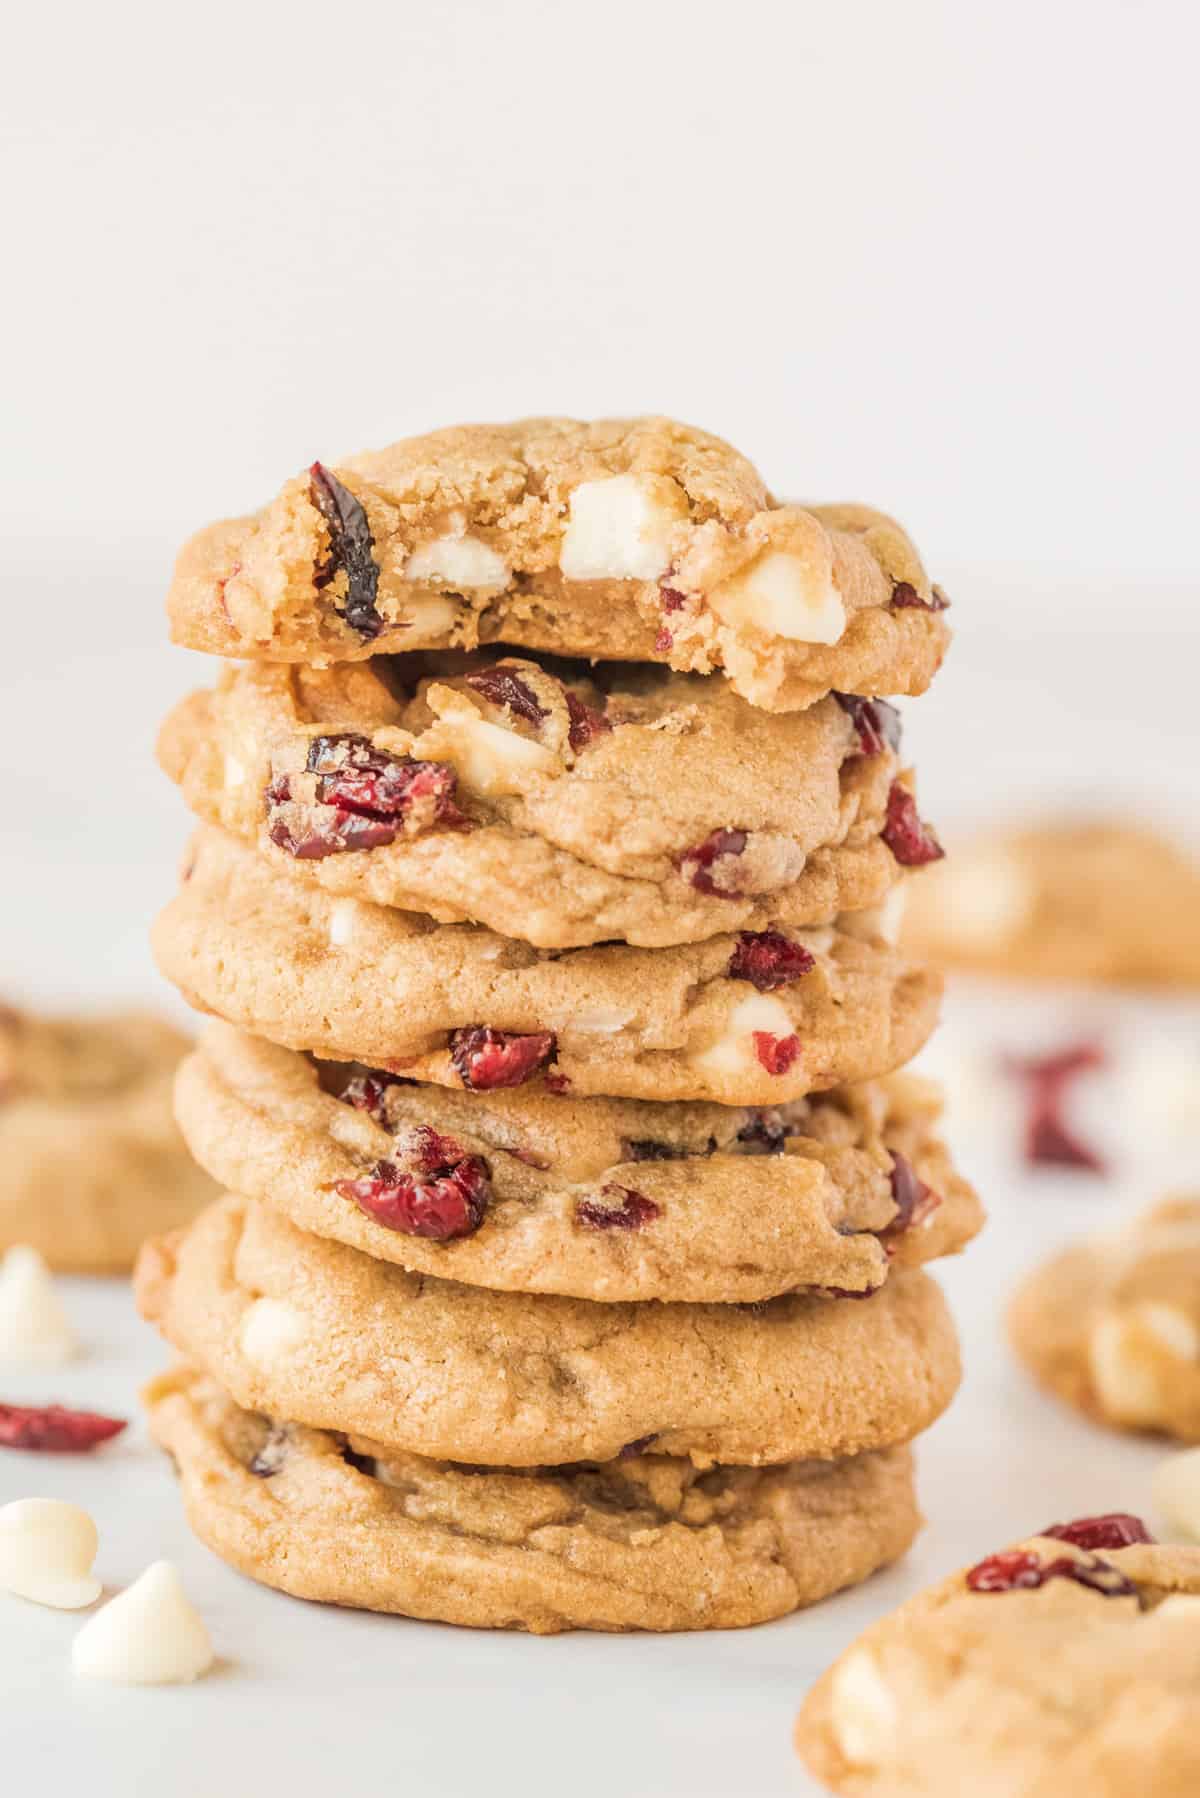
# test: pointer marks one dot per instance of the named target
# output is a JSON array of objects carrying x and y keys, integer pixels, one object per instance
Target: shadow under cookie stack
[{"x": 554, "y": 1085}]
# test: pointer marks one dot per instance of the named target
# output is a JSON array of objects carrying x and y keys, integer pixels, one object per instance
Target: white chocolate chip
[
  {"x": 1180, "y": 1607},
  {"x": 342, "y": 918},
  {"x": 1176, "y": 1489},
  {"x": 734, "y": 1052},
  {"x": 490, "y": 759},
  {"x": 46, "y": 1553},
  {"x": 602, "y": 1021},
  {"x": 782, "y": 594},
  {"x": 270, "y": 1330},
  {"x": 149, "y": 1635},
  {"x": 458, "y": 561},
  {"x": 863, "y": 1711},
  {"x": 235, "y": 772},
  {"x": 984, "y": 901},
  {"x": 428, "y": 619},
  {"x": 1125, "y": 1370},
  {"x": 34, "y": 1331},
  {"x": 622, "y": 528}
]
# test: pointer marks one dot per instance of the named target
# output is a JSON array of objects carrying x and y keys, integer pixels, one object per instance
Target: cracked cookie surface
[
  {"x": 307, "y": 1329},
  {"x": 550, "y": 804},
  {"x": 91, "y": 1160},
  {"x": 1081, "y": 1679},
  {"x": 737, "y": 1205},
  {"x": 644, "y": 1542},
  {"x": 638, "y": 539},
  {"x": 1112, "y": 1324},
  {"x": 456, "y": 1004}
]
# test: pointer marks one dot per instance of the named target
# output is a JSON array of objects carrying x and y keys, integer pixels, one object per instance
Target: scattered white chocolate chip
[
  {"x": 622, "y": 528},
  {"x": 984, "y": 900},
  {"x": 149, "y": 1635},
  {"x": 886, "y": 920},
  {"x": 428, "y": 619},
  {"x": 1176, "y": 1489},
  {"x": 342, "y": 917},
  {"x": 46, "y": 1553},
  {"x": 602, "y": 1021},
  {"x": 1126, "y": 1371},
  {"x": 270, "y": 1330},
  {"x": 783, "y": 595},
  {"x": 235, "y": 772},
  {"x": 490, "y": 759},
  {"x": 863, "y": 1711},
  {"x": 458, "y": 561},
  {"x": 734, "y": 1051},
  {"x": 34, "y": 1331},
  {"x": 1183, "y": 1607}
]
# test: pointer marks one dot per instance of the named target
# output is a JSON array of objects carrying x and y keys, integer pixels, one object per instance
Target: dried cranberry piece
[
  {"x": 501, "y": 685},
  {"x": 557, "y": 1083},
  {"x": 767, "y": 959},
  {"x": 625, "y": 1210},
  {"x": 905, "y": 594},
  {"x": 585, "y": 722},
  {"x": 697, "y": 864},
  {"x": 351, "y": 548},
  {"x": 269, "y": 1459},
  {"x": 432, "y": 1188},
  {"x": 672, "y": 599},
  {"x": 53, "y": 1430},
  {"x": 637, "y": 1447},
  {"x": 877, "y": 723},
  {"x": 765, "y": 1132},
  {"x": 1049, "y": 1141},
  {"x": 1114, "y": 1529},
  {"x": 664, "y": 640},
  {"x": 362, "y": 798},
  {"x": 911, "y": 841},
  {"x": 368, "y": 1092},
  {"x": 913, "y": 1199},
  {"x": 776, "y": 1053},
  {"x": 1020, "y": 1570},
  {"x": 648, "y": 1148},
  {"x": 486, "y": 1059}
]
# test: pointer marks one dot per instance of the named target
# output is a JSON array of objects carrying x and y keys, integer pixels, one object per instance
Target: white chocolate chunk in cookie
[
  {"x": 863, "y": 1711},
  {"x": 149, "y": 1635},
  {"x": 1180, "y": 1607},
  {"x": 1176, "y": 1490},
  {"x": 734, "y": 1052},
  {"x": 271, "y": 1331},
  {"x": 490, "y": 759},
  {"x": 622, "y": 528},
  {"x": 1125, "y": 1370},
  {"x": 46, "y": 1552},
  {"x": 34, "y": 1330},
  {"x": 784, "y": 596},
  {"x": 343, "y": 919},
  {"x": 235, "y": 772},
  {"x": 458, "y": 560}
]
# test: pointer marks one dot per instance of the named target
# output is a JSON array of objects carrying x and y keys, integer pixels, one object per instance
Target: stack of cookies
[{"x": 552, "y": 837}]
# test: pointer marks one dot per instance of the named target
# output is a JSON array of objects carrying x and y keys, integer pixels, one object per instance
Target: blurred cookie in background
[
  {"x": 1101, "y": 901},
  {"x": 91, "y": 1160}
]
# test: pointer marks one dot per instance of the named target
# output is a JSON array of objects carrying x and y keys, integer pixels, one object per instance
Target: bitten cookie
[
  {"x": 742, "y": 1020},
  {"x": 636, "y": 539},
  {"x": 91, "y": 1161},
  {"x": 1067, "y": 1664},
  {"x": 608, "y": 1199},
  {"x": 1105, "y": 902},
  {"x": 553, "y": 805},
  {"x": 1112, "y": 1325},
  {"x": 306, "y": 1329},
  {"x": 643, "y": 1542}
]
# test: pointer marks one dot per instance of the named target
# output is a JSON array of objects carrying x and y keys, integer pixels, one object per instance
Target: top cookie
[
  {"x": 637, "y": 539},
  {"x": 1066, "y": 1664}
]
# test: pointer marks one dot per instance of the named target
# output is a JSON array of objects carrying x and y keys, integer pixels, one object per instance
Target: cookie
[
  {"x": 1107, "y": 902},
  {"x": 549, "y": 804},
  {"x": 608, "y": 1199},
  {"x": 626, "y": 539},
  {"x": 1112, "y": 1325},
  {"x": 91, "y": 1161},
  {"x": 1062, "y": 1665},
  {"x": 306, "y": 1329},
  {"x": 645, "y": 1542},
  {"x": 736, "y": 1019}
]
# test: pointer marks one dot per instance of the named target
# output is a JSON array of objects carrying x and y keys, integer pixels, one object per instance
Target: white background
[{"x": 936, "y": 256}]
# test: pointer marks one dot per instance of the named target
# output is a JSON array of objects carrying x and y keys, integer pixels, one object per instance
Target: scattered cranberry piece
[
  {"x": 664, "y": 640},
  {"x": 1050, "y": 1143},
  {"x": 698, "y": 864},
  {"x": 776, "y": 1053},
  {"x": 269, "y": 1459},
  {"x": 765, "y": 1132},
  {"x": 877, "y": 723},
  {"x": 557, "y": 1083},
  {"x": 1115, "y": 1529},
  {"x": 368, "y": 1092},
  {"x": 910, "y": 840},
  {"x": 586, "y": 723},
  {"x": 637, "y": 1447},
  {"x": 432, "y": 1187},
  {"x": 52, "y": 1430},
  {"x": 351, "y": 548},
  {"x": 648, "y": 1148},
  {"x": 767, "y": 959},
  {"x": 1020, "y": 1570},
  {"x": 501, "y": 685},
  {"x": 362, "y": 797},
  {"x": 905, "y": 594},
  {"x": 914, "y": 1200},
  {"x": 1049, "y": 1140},
  {"x": 486, "y": 1058},
  {"x": 1061, "y": 1065},
  {"x": 672, "y": 599},
  {"x": 625, "y": 1210}
]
